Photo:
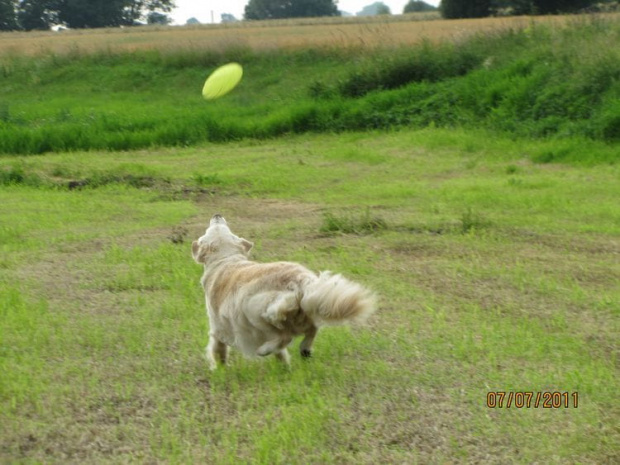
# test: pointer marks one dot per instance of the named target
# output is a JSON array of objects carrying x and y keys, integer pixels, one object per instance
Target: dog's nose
[{"x": 217, "y": 218}]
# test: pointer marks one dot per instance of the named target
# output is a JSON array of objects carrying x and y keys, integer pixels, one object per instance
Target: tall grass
[
  {"x": 542, "y": 81},
  {"x": 427, "y": 62}
]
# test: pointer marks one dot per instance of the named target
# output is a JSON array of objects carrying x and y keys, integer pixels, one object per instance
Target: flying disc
[{"x": 222, "y": 80}]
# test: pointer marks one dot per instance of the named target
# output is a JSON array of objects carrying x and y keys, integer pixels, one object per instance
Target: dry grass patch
[{"x": 258, "y": 36}]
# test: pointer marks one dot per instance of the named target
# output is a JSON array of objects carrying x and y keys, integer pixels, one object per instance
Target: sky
[{"x": 204, "y": 10}]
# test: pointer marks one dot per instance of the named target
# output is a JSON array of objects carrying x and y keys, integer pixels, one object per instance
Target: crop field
[
  {"x": 479, "y": 202},
  {"x": 262, "y": 35}
]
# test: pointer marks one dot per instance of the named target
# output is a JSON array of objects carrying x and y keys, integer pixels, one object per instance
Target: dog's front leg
[{"x": 305, "y": 348}]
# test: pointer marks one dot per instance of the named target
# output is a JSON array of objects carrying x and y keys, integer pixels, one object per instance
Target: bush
[{"x": 426, "y": 63}]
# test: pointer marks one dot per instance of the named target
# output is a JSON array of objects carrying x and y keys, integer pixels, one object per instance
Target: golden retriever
[{"x": 260, "y": 307}]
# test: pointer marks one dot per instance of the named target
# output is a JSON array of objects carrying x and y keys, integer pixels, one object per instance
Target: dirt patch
[
  {"x": 593, "y": 245},
  {"x": 245, "y": 213}
]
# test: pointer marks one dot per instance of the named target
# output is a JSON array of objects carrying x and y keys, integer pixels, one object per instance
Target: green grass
[
  {"x": 473, "y": 185},
  {"x": 495, "y": 273},
  {"x": 544, "y": 82}
]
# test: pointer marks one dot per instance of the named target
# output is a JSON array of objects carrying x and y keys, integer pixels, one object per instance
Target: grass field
[
  {"x": 484, "y": 214},
  {"x": 495, "y": 274}
]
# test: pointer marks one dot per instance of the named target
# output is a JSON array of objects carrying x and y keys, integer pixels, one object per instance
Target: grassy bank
[
  {"x": 541, "y": 81},
  {"x": 495, "y": 274}
]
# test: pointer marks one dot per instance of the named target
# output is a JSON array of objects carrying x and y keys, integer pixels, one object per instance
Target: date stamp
[{"x": 532, "y": 399}]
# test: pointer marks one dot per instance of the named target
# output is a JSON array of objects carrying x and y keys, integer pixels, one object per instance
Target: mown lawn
[{"x": 495, "y": 274}]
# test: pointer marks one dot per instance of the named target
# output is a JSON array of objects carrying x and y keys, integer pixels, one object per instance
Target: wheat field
[{"x": 262, "y": 35}]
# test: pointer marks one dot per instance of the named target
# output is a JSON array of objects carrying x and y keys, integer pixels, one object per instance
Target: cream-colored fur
[{"x": 260, "y": 307}]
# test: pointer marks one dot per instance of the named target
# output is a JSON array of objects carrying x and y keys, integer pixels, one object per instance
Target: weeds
[
  {"x": 17, "y": 175},
  {"x": 351, "y": 223},
  {"x": 469, "y": 222},
  {"x": 205, "y": 180},
  {"x": 472, "y": 221}
]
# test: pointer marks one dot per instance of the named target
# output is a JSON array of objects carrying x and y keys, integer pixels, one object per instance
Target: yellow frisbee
[{"x": 222, "y": 80}]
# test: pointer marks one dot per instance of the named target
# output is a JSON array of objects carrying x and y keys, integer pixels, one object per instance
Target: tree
[
  {"x": 377, "y": 8},
  {"x": 278, "y": 9},
  {"x": 92, "y": 13},
  {"x": 158, "y": 18},
  {"x": 416, "y": 6},
  {"x": 544, "y": 7},
  {"x": 512, "y": 7},
  {"x": 313, "y": 8},
  {"x": 37, "y": 14},
  {"x": 383, "y": 9},
  {"x": 228, "y": 18},
  {"x": 453, "y": 9},
  {"x": 41, "y": 14},
  {"x": 8, "y": 15}
]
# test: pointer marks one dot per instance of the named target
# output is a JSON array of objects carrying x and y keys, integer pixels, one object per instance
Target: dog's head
[{"x": 219, "y": 241}]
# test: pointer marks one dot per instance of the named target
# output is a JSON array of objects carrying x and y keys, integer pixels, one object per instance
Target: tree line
[
  {"x": 452, "y": 9},
  {"x": 42, "y": 14}
]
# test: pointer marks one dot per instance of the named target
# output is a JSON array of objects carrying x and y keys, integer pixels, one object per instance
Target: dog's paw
[{"x": 306, "y": 353}]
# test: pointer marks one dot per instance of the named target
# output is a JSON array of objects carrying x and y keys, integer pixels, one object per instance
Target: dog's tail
[{"x": 332, "y": 299}]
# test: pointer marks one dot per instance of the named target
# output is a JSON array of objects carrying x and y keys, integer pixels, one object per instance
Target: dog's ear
[
  {"x": 247, "y": 245},
  {"x": 195, "y": 251},
  {"x": 200, "y": 252}
]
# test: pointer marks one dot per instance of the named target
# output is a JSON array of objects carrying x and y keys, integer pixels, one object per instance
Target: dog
[{"x": 259, "y": 308}]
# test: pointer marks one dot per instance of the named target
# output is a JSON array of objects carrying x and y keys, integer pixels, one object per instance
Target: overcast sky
[{"x": 202, "y": 9}]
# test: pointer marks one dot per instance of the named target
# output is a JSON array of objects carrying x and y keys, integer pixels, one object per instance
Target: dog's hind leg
[
  {"x": 216, "y": 349},
  {"x": 305, "y": 348},
  {"x": 221, "y": 352},
  {"x": 280, "y": 308},
  {"x": 268, "y": 348},
  {"x": 284, "y": 357}
]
